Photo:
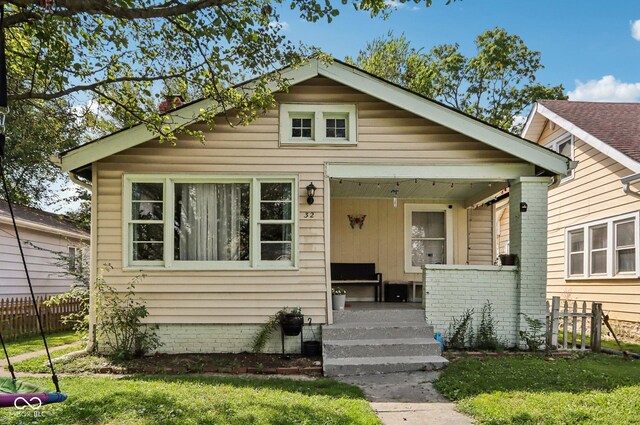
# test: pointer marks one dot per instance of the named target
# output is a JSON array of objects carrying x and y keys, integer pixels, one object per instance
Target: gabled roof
[
  {"x": 42, "y": 220},
  {"x": 357, "y": 79},
  {"x": 612, "y": 128}
]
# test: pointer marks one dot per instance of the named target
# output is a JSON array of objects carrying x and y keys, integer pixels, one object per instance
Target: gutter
[
  {"x": 627, "y": 182},
  {"x": 74, "y": 178}
]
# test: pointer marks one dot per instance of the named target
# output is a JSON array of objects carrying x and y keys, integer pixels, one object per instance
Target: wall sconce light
[
  {"x": 311, "y": 192},
  {"x": 523, "y": 207}
]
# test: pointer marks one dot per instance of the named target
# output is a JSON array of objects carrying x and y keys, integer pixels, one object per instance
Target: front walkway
[{"x": 408, "y": 398}]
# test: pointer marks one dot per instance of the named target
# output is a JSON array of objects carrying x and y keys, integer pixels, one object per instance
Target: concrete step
[
  {"x": 382, "y": 315},
  {"x": 376, "y": 330},
  {"x": 376, "y": 365},
  {"x": 412, "y": 347}
]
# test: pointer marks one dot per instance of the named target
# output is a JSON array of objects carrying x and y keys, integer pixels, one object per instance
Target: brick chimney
[{"x": 171, "y": 101}]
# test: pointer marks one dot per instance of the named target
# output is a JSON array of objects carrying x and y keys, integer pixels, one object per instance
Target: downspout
[{"x": 626, "y": 184}]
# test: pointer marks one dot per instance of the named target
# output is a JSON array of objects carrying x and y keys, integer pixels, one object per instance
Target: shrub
[
  {"x": 535, "y": 336},
  {"x": 119, "y": 321},
  {"x": 460, "y": 334},
  {"x": 486, "y": 335}
]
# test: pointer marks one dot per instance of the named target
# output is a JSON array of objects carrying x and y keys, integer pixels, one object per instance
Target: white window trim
[
  {"x": 318, "y": 112},
  {"x": 168, "y": 210},
  {"x": 553, "y": 145},
  {"x": 410, "y": 208},
  {"x": 610, "y": 222}
]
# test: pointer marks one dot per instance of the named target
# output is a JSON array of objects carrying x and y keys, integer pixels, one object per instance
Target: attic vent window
[{"x": 311, "y": 124}]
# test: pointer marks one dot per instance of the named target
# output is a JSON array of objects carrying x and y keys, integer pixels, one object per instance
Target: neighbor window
[
  {"x": 318, "y": 124},
  {"x": 212, "y": 222},
  {"x": 427, "y": 236},
  {"x": 606, "y": 248},
  {"x": 564, "y": 145},
  {"x": 73, "y": 259}
]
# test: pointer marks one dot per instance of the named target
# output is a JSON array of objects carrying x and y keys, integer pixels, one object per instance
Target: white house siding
[
  {"x": 595, "y": 193},
  {"x": 46, "y": 276},
  {"x": 385, "y": 134}
]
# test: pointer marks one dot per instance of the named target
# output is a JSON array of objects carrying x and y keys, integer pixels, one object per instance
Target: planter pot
[
  {"x": 311, "y": 348},
  {"x": 338, "y": 301},
  {"x": 291, "y": 324},
  {"x": 508, "y": 259}
]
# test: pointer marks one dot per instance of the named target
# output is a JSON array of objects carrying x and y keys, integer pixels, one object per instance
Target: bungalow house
[
  {"x": 44, "y": 235},
  {"x": 226, "y": 235},
  {"x": 593, "y": 251}
]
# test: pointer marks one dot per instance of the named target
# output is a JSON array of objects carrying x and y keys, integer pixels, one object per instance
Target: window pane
[
  {"x": 296, "y": 122},
  {"x": 625, "y": 234},
  {"x": 146, "y": 191},
  {"x": 599, "y": 262},
  {"x": 306, "y": 122},
  {"x": 427, "y": 252},
  {"x": 340, "y": 123},
  {"x": 148, "y": 232},
  {"x": 275, "y": 232},
  {"x": 576, "y": 265},
  {"x": 212, "y": 221},
  {"x": 296, "y": 132},
  {"x": 331, "y": 123},
  {"x": 564, "y": 148},
  {"x": 146, "y": 210},
  {"x": 275, "y": 211},
  {"x": 599, "y": 237},
  {"x": 340, "y": 132},
  {"x": 576, "y": 240},
  {"x": 331, "y": 132},
  {"x": 275, "y": 191},
  {"x": 147, "y": 251},
  {"x": 275, "y": 252},
  {"x": 626, "y": 260},
  {"x": 427, "y": 224},
  {"x": 306, "y": 132}
]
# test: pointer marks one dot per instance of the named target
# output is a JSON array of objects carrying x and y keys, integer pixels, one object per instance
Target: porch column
[{"x": 528, "y": 239}]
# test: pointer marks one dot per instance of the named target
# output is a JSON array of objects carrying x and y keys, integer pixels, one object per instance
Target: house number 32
[{"x": 308, "y": 215}]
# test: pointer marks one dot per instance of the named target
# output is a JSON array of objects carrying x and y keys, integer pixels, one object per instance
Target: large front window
[
  {"x": 210, "y": 222},
  {"x": 427, "y": 236},
  {"x": 605, "y": 248}
]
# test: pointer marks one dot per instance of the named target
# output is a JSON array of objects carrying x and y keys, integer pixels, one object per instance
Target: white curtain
[{"x": 210, "y": 221}]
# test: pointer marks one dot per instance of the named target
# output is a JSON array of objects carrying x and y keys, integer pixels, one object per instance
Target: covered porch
[{"x": 433, "y": 228}]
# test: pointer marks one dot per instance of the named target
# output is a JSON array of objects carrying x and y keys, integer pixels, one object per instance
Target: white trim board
[
  {"x": 361, "y": 81},
  {"x": 482, "y": 172},
  {"x": 586, "y": 137}
]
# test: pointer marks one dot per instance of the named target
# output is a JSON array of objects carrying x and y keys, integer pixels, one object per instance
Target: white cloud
[
  {"x": 394, "y": 3},
  {"x": 635, "y": 29},
  {"x": 282, "y": 25},
  {"x": 606, "y": 89}
]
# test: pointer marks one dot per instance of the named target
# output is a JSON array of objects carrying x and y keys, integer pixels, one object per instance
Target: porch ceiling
[{"x": 452, "y": 190}]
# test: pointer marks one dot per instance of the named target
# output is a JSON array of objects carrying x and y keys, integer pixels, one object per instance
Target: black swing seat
[{"x": 15, "y": 393}]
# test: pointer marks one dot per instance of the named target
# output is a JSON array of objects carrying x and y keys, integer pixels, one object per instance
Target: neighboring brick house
[
  {"x": 43, "y": 234},
  {"x": 226, "y": 235},
  {"x": 594, "y": 212}
]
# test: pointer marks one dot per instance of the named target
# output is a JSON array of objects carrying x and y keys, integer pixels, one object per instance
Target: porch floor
[{"x": 362, "y": 305}]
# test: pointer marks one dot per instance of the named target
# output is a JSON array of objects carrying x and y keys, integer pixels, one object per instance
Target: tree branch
[{"x": 68, "y": 8}]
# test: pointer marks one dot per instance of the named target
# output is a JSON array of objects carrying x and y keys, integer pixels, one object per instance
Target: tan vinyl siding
[
  {"x": 381, "y": 239},
  {"x": 385, "y": 133},
  {"x": 480, "y": 236},
  {"x": 594, "y": 193}
]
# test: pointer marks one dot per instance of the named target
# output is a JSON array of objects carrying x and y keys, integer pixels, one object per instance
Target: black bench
[{"x": 357, "y": 274}]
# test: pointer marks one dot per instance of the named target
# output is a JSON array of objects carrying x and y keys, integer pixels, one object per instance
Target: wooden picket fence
[
  {"x": 573, "y": 319},
  {"x": 18, "y": 316}
]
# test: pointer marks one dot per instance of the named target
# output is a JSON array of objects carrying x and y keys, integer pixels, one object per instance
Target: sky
[{"x": 591, "y": 47}]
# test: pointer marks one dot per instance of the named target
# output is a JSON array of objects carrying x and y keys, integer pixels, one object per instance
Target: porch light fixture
[
  {"x": 523, "y": 207},
  {"x": 311, "y": 192}
]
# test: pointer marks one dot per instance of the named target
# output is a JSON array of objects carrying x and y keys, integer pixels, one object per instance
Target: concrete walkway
[
  {"x": 408, "y": 398},
  {"x": 32, "y": 354}
]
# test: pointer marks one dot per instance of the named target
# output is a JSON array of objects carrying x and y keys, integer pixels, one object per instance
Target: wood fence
[
  {"x": 573, "y": 319},
  {"x": 18, "y": 316}
]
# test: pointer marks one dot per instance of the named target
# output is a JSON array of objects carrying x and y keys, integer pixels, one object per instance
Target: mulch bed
[{"x": 208, "y": 363}]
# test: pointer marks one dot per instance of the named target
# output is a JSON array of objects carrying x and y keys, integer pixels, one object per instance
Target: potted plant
[
  {"x": 508, "y": 259},
  {"x": 338, "y": 298},
  {"x": 291, "y": 321}
]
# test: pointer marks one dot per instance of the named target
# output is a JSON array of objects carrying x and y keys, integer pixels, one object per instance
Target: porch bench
[{"x": 357, "y": 274}]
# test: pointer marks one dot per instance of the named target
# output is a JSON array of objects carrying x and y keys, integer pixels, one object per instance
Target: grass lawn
[
  {"x": 200, "y": 400},
  {"x": 37, "y": 364},
  {"x": 34, "y": 343},
  {"x": 594, "y": 389}
]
